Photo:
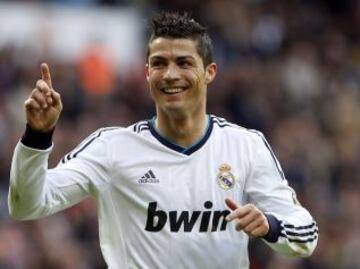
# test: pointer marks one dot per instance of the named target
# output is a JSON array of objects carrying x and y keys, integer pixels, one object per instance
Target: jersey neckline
[{"x": 169, "y": 144}]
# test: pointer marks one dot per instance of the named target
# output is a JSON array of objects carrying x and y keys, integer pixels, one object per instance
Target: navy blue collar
[{"x": 180, "y": 149}]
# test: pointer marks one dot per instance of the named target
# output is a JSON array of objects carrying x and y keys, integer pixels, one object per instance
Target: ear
[
  {"x": 211, "y": 70},
  {"x": 147, "y": 73}
]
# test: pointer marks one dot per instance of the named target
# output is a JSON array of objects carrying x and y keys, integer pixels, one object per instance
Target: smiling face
[{"x": 177, "y": 77}]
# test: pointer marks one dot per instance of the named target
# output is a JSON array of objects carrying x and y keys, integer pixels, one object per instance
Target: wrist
[
  {"x": 274, "y": 229},
  {"x": 37, "y": 139}
]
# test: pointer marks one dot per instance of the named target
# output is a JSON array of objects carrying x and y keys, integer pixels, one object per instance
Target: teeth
[{"x": 173, "y": 90}]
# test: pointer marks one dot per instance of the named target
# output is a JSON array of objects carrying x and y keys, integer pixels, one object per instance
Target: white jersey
[{"x": 161, "y": 205}]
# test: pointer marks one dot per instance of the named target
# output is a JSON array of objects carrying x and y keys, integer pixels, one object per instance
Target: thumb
[
  {"x": 231, "y": 203},
  {"x": 45, "y": 74}
]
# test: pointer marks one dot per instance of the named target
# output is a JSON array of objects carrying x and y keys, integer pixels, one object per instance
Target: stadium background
[{"x": 289, "y": 68}]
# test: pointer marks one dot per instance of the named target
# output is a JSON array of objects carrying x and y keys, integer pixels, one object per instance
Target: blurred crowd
[{"x": 290, "y": 69}]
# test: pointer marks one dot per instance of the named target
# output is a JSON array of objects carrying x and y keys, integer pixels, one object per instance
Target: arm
[
  {"x": 273, "y": 212},
  {"x": 35, "y": 190}
]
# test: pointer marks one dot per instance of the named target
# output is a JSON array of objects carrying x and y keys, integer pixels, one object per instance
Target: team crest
[{"x": 225, "y": 178}]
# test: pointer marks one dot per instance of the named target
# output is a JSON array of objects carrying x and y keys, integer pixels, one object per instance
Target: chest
[{"x": 180, "y": 182}]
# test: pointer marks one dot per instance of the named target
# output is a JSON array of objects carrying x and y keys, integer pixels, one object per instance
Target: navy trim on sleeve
[
  {"x": 36, "y": 139},
  {"x": 274, "y": 229}
]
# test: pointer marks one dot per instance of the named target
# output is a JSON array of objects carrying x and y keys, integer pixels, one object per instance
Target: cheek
[
  {"x": 153, "y": 79},
  {"x": 152, "y": 84},
  {"x": 198, "y": 79}
]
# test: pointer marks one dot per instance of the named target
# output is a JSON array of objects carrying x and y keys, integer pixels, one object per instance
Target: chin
[{"x": 175, "y": 111}]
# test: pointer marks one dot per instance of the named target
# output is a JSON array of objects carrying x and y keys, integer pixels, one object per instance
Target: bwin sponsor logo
[{"x": 209, "y": 220}]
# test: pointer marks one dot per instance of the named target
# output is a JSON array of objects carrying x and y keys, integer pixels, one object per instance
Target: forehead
[{"x": 173, "y": 47}]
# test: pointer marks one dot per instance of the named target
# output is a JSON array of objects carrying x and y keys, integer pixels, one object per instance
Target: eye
[
  {"x": 184, "y": 63},
  {"x": 157, "y": 63}
]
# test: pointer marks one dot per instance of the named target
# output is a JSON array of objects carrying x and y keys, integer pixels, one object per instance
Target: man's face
[{"x": 177, "y": 77}]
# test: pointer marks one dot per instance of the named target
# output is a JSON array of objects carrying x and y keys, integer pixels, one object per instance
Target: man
[{"x": 182, "y": 190}]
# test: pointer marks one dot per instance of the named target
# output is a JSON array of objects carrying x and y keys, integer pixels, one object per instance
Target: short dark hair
[{"x": 175, "y": 25}]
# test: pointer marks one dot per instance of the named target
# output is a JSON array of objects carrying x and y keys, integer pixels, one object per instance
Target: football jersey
[{"x": 161, "y": 205}]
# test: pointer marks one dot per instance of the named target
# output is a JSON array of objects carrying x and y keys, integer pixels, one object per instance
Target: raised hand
[
  {"x": 43, "y": 107},
  {"x": 249, "y": 219}
]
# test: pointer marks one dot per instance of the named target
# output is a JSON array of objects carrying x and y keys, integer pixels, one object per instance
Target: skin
[
  {"x": 181, "y": 117},
  {"x": 174, "y": 63},
  {"x": 248, "y": 218},
  {"x": 43, "y": 107}
]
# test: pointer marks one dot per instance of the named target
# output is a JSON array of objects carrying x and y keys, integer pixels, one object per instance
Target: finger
[
  {"x": 56, "y": 98},
  {"x": 39, "y": 97},
  {"x": 259, "y": 231},
  {"x": 31, "y": 104},
  {"x": 45, "y": 74},
  {"x": 238, "y": 226},
  {"x": 252, "y": 225},
  {"x": 43, "y": 87},
  {"x": 49, "y": 100},
  {"x": 254, "y": 216},
  {"x": 238, "y": 213},
  {"x": 248, "y": 221},
  {"x": 231, "y": 203}
]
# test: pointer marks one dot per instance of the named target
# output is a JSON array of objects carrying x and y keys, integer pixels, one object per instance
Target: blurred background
[{"x": 290, "y": 68}]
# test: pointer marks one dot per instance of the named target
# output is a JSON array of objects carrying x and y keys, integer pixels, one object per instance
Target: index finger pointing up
[{"x": 45, "y": 74}]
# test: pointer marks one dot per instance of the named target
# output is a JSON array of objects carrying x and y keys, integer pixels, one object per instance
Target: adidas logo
[{"x": 149, "y": 177}]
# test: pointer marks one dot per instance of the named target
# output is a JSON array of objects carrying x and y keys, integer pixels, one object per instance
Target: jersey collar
[{"x": 188, "y": 150}]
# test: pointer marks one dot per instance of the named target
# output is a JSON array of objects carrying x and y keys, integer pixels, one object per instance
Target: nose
[{"x": 171, "y": 73}]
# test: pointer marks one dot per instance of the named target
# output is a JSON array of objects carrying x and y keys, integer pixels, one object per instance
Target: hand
[
  {"x": 43, "y": 107},
  {"x": 249, "y": 218}
]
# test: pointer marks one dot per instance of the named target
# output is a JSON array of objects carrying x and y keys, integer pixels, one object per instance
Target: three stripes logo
[
  {"x": 299, "y": 234},
  {"x": 149, "y": 177}
]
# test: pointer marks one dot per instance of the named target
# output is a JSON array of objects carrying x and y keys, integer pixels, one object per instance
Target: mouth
[{"x": 173, "y": 90}]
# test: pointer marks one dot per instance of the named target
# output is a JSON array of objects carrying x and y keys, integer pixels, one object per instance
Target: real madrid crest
[{"x": 225, "y": 178}]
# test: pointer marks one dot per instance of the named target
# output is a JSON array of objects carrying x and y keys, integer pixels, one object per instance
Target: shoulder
[
  {"x": 106, "y": 133},
  {"x": 118, "y": 132},
  {"x": 139, "y": 127},
  {"x": 109, "y": 134},
  {"x": 228, "y": 128},
  {"x": 138, "y": 130},
  {"x": 102, "y": 140}
]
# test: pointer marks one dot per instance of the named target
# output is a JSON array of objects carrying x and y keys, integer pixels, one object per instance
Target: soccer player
[{"x": 182, "y": 190}]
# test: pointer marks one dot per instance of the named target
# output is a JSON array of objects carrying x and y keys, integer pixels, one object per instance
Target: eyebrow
[
  {"x": 186, "y": 57},
  {"x": 157, "y": 58}
]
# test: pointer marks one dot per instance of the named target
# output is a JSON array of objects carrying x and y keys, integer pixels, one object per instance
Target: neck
[{"x": 183, "y": 131}]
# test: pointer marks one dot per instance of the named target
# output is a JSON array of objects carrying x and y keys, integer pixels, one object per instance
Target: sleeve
[
  {"x": 293, "y": 231},
  {"x": 36, "y": 191}
]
